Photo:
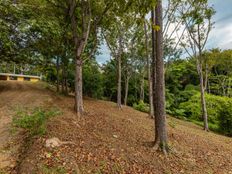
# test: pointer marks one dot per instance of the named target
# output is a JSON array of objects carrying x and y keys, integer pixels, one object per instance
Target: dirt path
[{"x": 15, "y": 95}]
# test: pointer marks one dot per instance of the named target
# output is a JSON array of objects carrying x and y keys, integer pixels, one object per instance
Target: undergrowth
[
  {"x": 34, "y": 122},
  {"x": 53, "y": 170}
]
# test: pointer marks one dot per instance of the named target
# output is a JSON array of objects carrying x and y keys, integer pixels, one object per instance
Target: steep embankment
[{"x": 108, "y": 140}]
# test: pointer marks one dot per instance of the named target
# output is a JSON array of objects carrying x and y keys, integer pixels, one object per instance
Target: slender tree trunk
[
  {"x": 126, "y": 90},
  {"x": 119, "y": 90},
  {"x": 80, "y": 43},
  {"x": 153, "y": 67},
  {"x": 162, "y": 140},
  {"x": 151, "y": 108},
  {"x": 203, "y": 102},
  {"x": 57, "y": 74},
  {"x": 78, "y": 88}
]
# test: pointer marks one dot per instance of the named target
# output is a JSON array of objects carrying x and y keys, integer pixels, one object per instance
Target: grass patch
[
  {"x": 212, "y": 127},
  {"x": 2, "y": 172},
  {"x": 53, "y": 170},
  {"x": 34, "y": 122}
]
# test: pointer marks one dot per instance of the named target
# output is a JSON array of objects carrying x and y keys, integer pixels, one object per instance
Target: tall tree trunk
[
  {"x": 78, "y": 88},
  {"x": 126, "y": 90},
  {"x": 119, "y": 90},
  {"x": 203, "y": 103},
  {"x": 162, "y": 140},
  {"x": 57, "y": 74},
  {"x": 151, "y": 108},
  {"x": 80, "y": 43},
  {"x": 153, "y": 67}
]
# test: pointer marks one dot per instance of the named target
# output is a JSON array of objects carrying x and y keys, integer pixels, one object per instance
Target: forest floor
[{"x": 105, "y": 141}]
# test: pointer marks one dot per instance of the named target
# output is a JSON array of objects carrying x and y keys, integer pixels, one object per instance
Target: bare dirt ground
[
  {"x": 108, "y": 140},
  {"x": 15, "y": 95}
]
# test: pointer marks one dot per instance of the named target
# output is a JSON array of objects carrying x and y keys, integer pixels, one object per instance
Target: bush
[
  {"x": 191, "y": 108},
  {"x": 173, "y": 101},
  {"x": 219, "y": 111},
  {"x": 214, "y": 105},
  {"x": 191, "y": 87},
  {"x": 141, "y": 106},
  {"x": 34, "y": 122},
  {"x": 225, "y": 118}
]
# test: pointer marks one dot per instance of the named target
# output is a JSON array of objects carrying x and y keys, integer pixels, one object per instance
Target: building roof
[{"x": 19, "y": 75}]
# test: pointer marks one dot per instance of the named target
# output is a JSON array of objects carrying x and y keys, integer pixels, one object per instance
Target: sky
[{"x": 220, "y": 36}]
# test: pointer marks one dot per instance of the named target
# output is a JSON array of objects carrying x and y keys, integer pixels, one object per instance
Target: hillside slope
[{"x": 106, "y": 140}]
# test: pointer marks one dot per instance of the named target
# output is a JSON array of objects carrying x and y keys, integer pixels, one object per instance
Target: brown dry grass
[{"x": 109, "y": 140}]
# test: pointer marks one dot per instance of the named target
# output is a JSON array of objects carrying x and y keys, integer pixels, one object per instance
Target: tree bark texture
[
  {"x": 80, "y": 41},
  {"x": 119, "y": 90},
  {"x": 153, "y": 67},
  {"x": 78, "y": 88},
  {"x": 162, "y": 140}
]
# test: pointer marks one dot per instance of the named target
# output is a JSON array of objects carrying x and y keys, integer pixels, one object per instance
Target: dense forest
[{"x": 159, "y": 63}]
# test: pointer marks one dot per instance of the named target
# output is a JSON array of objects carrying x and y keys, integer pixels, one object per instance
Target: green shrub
[
  {"x": 34, "y": 122},
  {"x": 191, "y": 108},
  {"x": 169, "y": 103},
  {"x": 219, "y": 111},
  {"x": 191, "y": 87},
  {"x": 214, "y": 104},
  {"x": 225, "y": 118},
  {"x": 173, "y": 101},
  {"x": 141, "y": 106}
]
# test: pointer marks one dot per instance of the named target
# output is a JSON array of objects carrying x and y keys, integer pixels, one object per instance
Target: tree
[
  {"x": 161, "y": 139},
  {"x": 116, "y": 39},
  {"x": 83, "y": 15},
  {"x": 198, "y": 25}
]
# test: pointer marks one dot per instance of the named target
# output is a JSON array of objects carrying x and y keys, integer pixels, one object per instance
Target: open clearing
[{"x": 106, "y": 140}]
